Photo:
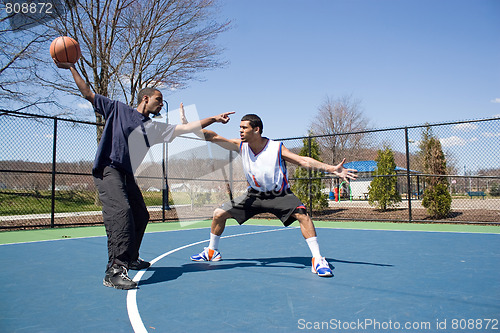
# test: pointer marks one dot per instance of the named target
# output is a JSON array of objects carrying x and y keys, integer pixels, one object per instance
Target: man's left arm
[
  {"x": 195, "y": 126},
  {"x": 312, "y": 164}
]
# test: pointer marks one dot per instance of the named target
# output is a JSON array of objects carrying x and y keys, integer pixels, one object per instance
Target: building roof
[{"x": 369, "y": 166}]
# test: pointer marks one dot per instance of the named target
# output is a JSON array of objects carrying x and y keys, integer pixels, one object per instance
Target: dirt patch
[{"x": 402, "y": 214}]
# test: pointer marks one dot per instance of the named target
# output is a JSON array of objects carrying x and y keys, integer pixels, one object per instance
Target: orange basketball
[{"x": 65, "y": 49}]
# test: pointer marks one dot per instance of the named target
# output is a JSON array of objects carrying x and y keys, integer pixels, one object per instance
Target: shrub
[
  {"x": 301, "y": 185},
  {"x": 495, "y": 190},
  {"x": 437, "y": 200},
  {"x": 383, "y": 191},
  {"x": 201, "y": 199}
]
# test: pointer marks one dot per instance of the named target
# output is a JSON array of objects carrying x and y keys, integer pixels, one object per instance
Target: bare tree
[
  {"x": 130, "y": 44},
  {"x": 337, "y": 116},
  {"x": 21, "y": 56},
  {"x": 126, "y": 45}
]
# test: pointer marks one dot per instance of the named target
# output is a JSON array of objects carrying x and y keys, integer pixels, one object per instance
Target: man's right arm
[
  {"x": 229, "y": 144},
  {"x": 82, "y": 85},
  {"x": 80, "y": 82}
]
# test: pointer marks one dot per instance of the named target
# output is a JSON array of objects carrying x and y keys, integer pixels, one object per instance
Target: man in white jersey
[{"x": 269, "y": 191}]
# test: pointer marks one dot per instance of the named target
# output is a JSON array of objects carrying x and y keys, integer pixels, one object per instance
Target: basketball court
[{"x": 424, "y": 278}]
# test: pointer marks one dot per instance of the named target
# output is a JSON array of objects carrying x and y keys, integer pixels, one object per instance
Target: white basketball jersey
[{"x": 265, "y": 170}]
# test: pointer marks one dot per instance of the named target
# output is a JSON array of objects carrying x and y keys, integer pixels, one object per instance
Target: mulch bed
[{"x": 401, "y": 214}]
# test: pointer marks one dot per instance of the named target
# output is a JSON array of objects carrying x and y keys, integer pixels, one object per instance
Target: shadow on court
[
  {"x": 263, "y": 284},
  {"x": 165, "y": 274}
]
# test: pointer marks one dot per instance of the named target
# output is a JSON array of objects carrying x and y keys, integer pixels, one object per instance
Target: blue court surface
[{"x": 384, "y": 281}]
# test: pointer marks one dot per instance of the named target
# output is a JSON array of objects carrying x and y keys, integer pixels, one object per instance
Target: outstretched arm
[
  {"x": 310, "y": 164},
  {"x": 80, "y": 82},
  {"x": 194, "y": 126},
  {"x": 229, "y": 144}
]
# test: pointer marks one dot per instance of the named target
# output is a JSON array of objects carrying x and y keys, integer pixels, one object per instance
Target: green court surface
[{"x": 23, "y": 236}]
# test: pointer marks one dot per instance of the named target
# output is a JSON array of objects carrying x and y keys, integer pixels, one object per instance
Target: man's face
[
  {"x": 154, "y": 103},
  {"x": 246, "y": 131}
]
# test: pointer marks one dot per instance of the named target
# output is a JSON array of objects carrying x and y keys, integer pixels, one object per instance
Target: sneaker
[
  {"x": 116, "y": 277},
  {"x": 321, "y": 267},
  {"x": 207, "y": 255},
  {"x": 138, "y": 264}
]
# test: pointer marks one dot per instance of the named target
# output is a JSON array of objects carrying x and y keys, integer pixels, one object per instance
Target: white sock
[
  {"x": 214, "y": 242},
  {"x": 314, "y": 246}
]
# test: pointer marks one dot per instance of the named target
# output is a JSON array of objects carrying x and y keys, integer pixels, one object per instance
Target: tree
[
  {"x": 126, "y": 46},
  {"x": 303, "y": 184},
  {"x": 337, "y": 116},
  {"x": 21, "y": 56},
  {"x": 437, "y": 198},
  {"x": 495, "y": 190},
  {"x": 383, "y": 191},
  {"x": 131, "y": 44}
]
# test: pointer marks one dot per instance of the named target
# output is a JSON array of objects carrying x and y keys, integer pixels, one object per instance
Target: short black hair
[
  {"x": 146, "y": 92},
  {"x": 255, "y": 121}
]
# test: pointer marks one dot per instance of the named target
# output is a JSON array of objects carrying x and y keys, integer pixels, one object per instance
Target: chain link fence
[
  {"x": 473, "y": 172},
  {"x": 46, "y": 181},
  {"x": 45, "y": 172}
]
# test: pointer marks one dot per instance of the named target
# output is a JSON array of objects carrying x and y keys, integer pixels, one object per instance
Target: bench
[
  {"x": 417, "y": 194},
  {"x": 476, "y": 194}
]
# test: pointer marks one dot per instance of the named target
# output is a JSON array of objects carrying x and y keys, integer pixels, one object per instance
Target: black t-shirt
[{"x": 127, "y": 136}]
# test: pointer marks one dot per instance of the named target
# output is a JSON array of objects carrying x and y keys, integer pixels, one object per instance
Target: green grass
[
  {"x": 25, "y": 202},
  {"x": 39, "y": 202}
]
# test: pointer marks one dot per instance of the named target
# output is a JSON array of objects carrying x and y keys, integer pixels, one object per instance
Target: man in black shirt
[{"x": 124, "y": 212}]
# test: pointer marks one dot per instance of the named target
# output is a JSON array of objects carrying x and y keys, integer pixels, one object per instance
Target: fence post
[
  {"x": 164, "y": 180},
  {"x": 231, "y": 179},
  {"x": 408, "y": 179},
  {"x": 53, "y": 192},
  {"x": 309, "y": 174},
  {"x": 164, "y": 195},
  {"x": 165, "y": 191}
]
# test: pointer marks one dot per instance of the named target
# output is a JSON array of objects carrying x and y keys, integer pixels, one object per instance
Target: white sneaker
[
  {"x": 207, "y": 255},
  {"x": 321, "y": 267}
]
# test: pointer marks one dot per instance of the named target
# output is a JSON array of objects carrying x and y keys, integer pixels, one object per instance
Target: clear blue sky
[{"x": 409, "y": 62}]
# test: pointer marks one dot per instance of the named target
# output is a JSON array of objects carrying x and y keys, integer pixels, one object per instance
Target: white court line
[{"x": 133, "y": 310}]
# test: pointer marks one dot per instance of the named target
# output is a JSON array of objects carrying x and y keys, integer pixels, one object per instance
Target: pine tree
[
  {"x": 301, "y": 185},
  {"x": 437, "y": 198},
  {"x": 383, "y": 191}
]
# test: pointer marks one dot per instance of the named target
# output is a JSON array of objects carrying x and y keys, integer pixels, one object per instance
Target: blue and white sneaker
[
  {"x": 321, "y": 267},
  {"x": 207, "y": 255}
]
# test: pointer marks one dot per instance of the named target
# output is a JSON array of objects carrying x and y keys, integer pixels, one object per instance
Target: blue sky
[{"x": 409, "y": 62}]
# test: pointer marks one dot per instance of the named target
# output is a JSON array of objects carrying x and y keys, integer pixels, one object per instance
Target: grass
[
  {"x": 25, "y": 202},
  {"x": 39, "y": 202}
]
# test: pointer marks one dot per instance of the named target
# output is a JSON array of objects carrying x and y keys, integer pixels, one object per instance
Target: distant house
[
  {"x": 359, "y": 187},
  {"x": 180, "y": 187}
]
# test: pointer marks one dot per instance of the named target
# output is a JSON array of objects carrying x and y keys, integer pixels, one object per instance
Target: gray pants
[{"x": 124, "y": 213}]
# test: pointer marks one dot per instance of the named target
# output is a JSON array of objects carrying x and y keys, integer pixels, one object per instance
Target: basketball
[{"x": 65, "y": 50}]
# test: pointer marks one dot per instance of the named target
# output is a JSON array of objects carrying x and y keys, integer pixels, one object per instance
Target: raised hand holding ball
[{"x": 65, "y": 51}]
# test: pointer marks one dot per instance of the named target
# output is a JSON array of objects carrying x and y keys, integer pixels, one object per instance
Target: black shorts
[{"x": 281, "y": 204}]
